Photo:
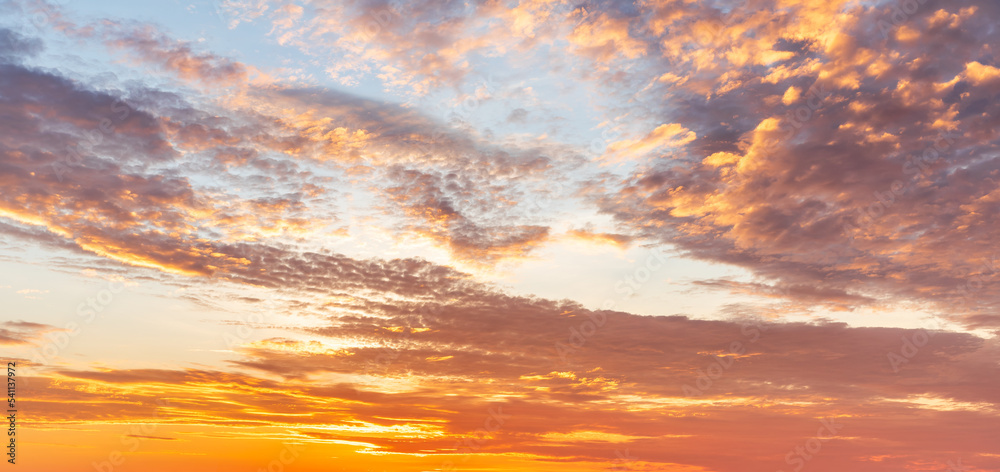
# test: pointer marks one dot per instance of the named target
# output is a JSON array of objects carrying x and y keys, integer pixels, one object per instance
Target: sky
[{"x": 370, "y": 235}]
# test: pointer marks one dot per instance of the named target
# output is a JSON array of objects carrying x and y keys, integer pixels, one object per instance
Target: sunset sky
[{"x": 414, "y": 236}]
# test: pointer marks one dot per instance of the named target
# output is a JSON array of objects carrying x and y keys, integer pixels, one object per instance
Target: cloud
[
  {"x": 13, "y": 45},
  {"x": 446, "y": 209},
  {"x": 147, "y": 45},
  {"x": 108, "y": 153},
  {"x": 849, "y": 162},
  {"x": 23, "y": 332},
  {"x": 809, "y": 295},
  {"x": 665, "y": 135},
  {"x": 620, "y": 240},
  {"x": 629, "y": 384},
  {"x": 602, "y": 37},
  {"x": 789, "y": 129}
]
